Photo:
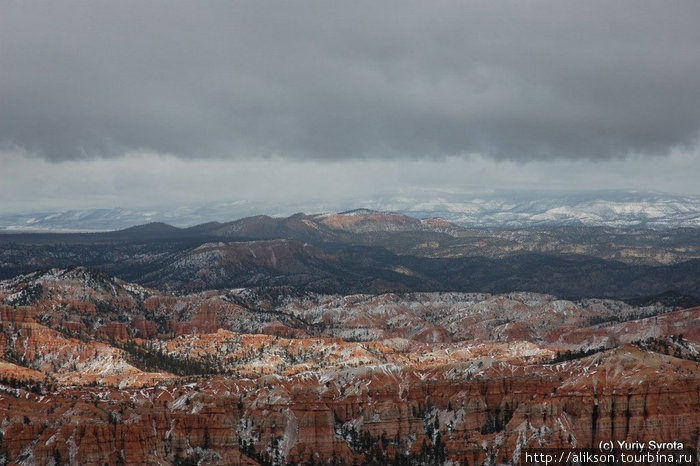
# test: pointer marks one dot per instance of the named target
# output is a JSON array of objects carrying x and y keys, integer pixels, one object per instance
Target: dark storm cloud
[{"x": 332, "y": 80}]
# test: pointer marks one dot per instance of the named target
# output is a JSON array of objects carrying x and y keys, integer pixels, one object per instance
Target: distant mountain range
[
  {"x": 598, "y": 208},
  {"x": 493, "y": 210},
  {"x": 365, "y": 251}
]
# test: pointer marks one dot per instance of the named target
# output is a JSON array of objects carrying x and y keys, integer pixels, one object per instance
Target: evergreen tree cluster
[
  {"x": 675, "y": 346},
  {"x": 149, "y": 358},
  {"x": 38, "y": 388},
  {"x": 569, "y": 355}
]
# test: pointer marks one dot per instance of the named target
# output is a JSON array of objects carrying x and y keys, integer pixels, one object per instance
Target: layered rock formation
[
  {"x": 94, "y": 370},
  {"x": 375, "y": 413}
]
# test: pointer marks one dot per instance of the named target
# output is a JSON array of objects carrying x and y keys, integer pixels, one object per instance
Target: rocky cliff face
[
  {"x": 89, "y": 303},
  {"x": 94, "y": 370},
  {"x": 381, "y": 413}
]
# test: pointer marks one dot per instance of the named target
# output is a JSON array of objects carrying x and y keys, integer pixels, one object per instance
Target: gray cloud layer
[{"x": 332, "y": 80}]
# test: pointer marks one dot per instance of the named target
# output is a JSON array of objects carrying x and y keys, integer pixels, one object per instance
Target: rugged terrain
[
  {"x": 97, "y": 370},
  {"x": 364, "y": 251},
  {"x": 360, "y": 337}
]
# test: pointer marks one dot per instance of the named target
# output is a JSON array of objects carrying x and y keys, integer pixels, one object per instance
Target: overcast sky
[{"x": 106, "y": 104}]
